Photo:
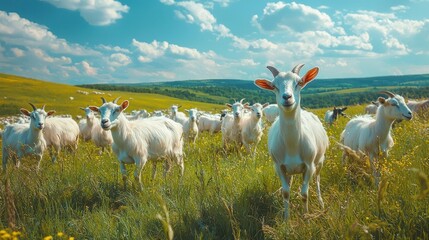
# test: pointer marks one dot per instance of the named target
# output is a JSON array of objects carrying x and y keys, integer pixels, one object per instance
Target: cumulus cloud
[
  {"x": 293, "y": 17},
  {"x": 88, "y": 69},
  {"x": 199, "y": 14},
  {"x": 19, "y": 31},
  {"x": 113, "y": 49},
  {"x": 119, "y": 60},
  {"x": 95, "y": 12},
  {"x": 17, "y": 52}
]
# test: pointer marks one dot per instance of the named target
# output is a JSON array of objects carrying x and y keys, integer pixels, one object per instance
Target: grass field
[
  {"x": 16, "y": 92},
  {"x": 222, "y": 195}
]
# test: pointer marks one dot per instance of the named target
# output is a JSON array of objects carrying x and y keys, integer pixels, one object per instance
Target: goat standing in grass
[
  {"x": 252, "y": 127},
  {"x": 156, "y": 138},
  {"x": 231, "y": 125},
  {"x": 332, "y": 115},
  {"x": 297, "y": 141},
  {"x": 190, "y": 128},
  {"x": 372, "y": 108},
  {"x": 369, "y": 135},
  {"x": 21, "y": 140}
]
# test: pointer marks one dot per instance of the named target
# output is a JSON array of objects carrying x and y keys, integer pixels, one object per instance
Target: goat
[
  {"x": 141, "y": 140},
  {"x": 211, "y": 123},
  {"x": 371, "y": 108},
  {"x": 369, "y": 135},
  {"x": 297, "y": 141},
  {"x": 86, "y": 125},
  {"x": 252, "y": 127},
  {"x": 21, "y": 140},
  {"x": 190, "y": 127},
  {"x": 231, "y": 125},
  {"x": 271, "y": 112},
  {"x": 331, "y": 115},
  {"x": 60, "y": 133},
  {"x": 102, "y": 139},
  {"x": 177, "y": 116}
]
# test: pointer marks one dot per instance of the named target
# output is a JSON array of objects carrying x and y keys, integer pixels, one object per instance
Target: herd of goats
[{"x": 297, "y": 140}]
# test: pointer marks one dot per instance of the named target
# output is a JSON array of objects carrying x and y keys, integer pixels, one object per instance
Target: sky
[{"x": 111, "y": 41}]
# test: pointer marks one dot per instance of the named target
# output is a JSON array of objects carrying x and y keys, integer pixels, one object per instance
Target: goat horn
[
  {"x": 104, "y": 100},
  {"x": 43, "y": 106},
  {"x": 390, "y": 94},
  {"x": 273, "y": 70},
  {"x": 297, "y": 68},
  {"x": 34, "y": 108},
  {"x": 116, "y": 100},
  {"x": 241, "y": 101}
]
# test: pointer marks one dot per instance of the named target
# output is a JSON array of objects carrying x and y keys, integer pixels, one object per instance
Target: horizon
[{"x": 111, "y": 41}]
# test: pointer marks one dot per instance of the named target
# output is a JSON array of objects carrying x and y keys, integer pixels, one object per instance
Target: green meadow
[{"x": 222, "y": 195}]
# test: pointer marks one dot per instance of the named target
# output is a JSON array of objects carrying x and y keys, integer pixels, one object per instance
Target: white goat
[
  {"x": 371, "y": 108},
  {"x": 86, "y": 125},
  {"x": 369, "y": 135},
  {"x": 271, "y": 112},
  {"x": 102, "y": 139},
  {"x": 252, "y": 127},
  {"x": 177, "y": 116},
  {"x": 156, "y": 138},
  {"x": 211, "y": 123},
  {"x": 21, "y": 140},
  {"x": 332, "y": 115},
  {"x": 297, "y": 141},
  {"x": 231, "y": 125},
  {"x": 60, "y": 133},
  {"x": 190, "y": 128}
]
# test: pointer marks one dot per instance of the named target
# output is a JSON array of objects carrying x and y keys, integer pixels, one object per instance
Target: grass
[
  {"x": 17, "y": 91},
  {"x": 223, "y": 195}
]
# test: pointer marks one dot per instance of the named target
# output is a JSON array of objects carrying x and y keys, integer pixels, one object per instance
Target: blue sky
[{"x": 106, "y": 41}]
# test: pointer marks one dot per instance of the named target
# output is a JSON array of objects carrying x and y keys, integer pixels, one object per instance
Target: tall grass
[{"x": 224, "y": 195}]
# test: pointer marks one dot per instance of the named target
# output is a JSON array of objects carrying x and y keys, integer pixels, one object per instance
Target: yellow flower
[
  {"x": 48, "y": 238},
  {"x": 71, "y": 238},
  {"x": 2, "y": 232},
  {"x": 60, "y": 234},
  {"x": 16, "y": 233},
  {"x": 5, "y": 236}
]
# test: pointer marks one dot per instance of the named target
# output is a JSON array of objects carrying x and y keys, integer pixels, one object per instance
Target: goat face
[
  {"x": 37, "y": 117},
  {"x": 237, "y": 109},
  {"x": 338, "y": 111},
  {"x": 193, "y": 113},
  {"x": 395, "y": 108},
  {"x": 109, "y": 113},
  {"x": 287, "y": 86},
  {"x": 256, "y": 110},
  {"x": 88, "y": 113}
]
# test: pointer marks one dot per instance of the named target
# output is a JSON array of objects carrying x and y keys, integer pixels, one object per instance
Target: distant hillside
[
  {"x": 319, "y": 93},
  {"x": 16, "y": 92}
]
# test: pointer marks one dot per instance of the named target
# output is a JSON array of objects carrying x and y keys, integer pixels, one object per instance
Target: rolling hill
[
  {"x": 320, "y": 93},
  {"x": 16, "y": 92}
]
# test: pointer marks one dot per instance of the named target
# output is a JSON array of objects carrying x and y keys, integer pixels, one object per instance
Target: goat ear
[
  {"x": 246, "y": 106},
  {"x": 228, "y": 105},
  {"x": 309, "y": 76},
  {"x": 382, "y": 100},
  {"x": 264, "y": 84},
  {"x": 81, "y": 108},
  {"x": 343, "y": 109},
  {"x": 265, "y": 105},
  {"x": 25, "y": 112},
  {"x": 93, "y": 108},
  {"x": 51, "y": 112},
  {"x": 124, "y": 105}
]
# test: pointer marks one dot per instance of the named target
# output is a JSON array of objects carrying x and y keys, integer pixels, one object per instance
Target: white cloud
[
  {"x": 194, "y": 12},
  {"x": 95, "y": 12},
  {"x": 293, "y": 17},
  {"x": 119, "y": 60},
  {"x": 399, "y": 8},
  {"x": 18, "y": 52},
  {"x": 88, "y": 69},
  {"x": 167, "y": 2},
  {"x": 42, "y": 55},
  {"x": 223, "y": 3},
  {"x": 113, "y": 49},
  {"x": 248, "y": 62},
  {"x": 22, "y": 32}
]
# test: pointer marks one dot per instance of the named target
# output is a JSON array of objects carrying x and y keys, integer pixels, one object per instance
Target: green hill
[
  {"x": 16, "y": 92},
  {"x": 322, "y": 93}
]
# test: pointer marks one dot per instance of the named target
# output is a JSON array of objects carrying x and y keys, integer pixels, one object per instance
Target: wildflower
[
  {"x": 48, "y": 238},
  {"x": 2, "y": 232},
  {"x": 16, "y": 233},
  {"x": 60, "y": 234},
  {"x": 71, "y": 238}
]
